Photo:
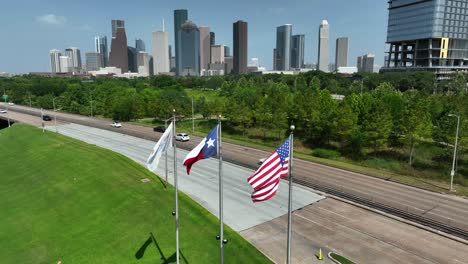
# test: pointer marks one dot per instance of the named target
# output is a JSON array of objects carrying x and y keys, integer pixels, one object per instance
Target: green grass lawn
[
  {"x": 66, "y": 200},
  {"x": 341, "y": 259}
]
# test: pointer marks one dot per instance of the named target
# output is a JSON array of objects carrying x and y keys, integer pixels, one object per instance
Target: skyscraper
[
  {"x": 139, "y": 45},
  {"x": 74, "y": 56},
  {"x": 240, "y": 36},
  {"x": 365, "y": 63},
  {"x": 132, "y": 59},
  {"x": 212, "y": 38},
  {"x": 427, "y": 35},
  {"x": 54, "y": 55},
  {"x": 283, "y": 47},
  {"x": 217, "y": 54},
  {"x": 180, "y": 16},
  {"x": 118, "y": 56},
  {"x": 64, "y": 64},
  {"x": 161, "y": 63},
  {"x": 143, "y": 59},
  {"x": 324, "y": 46},
  {"x": 115, "y": 25},
  {"x": 297, "y": 51},
  {"x": 227, "y": 51},
  {"x": 204, "y": 47},
  {"x": 100, "y": 46},
  {"x": 341, "y": 55},
  {"x": 189, "y": 47},
  {"x": 93, "y": 61}
]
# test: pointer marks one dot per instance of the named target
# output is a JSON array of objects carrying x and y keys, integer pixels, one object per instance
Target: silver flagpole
[
  {"x": 291, "y": 141},
  {"x": 165, "y": 162},
  {"x": 176, "y": 187},
  {"x": 221, "y": 221}
]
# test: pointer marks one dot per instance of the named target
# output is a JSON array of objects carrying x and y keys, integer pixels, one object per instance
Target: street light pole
[
  {"x": 452, "y": 173},
  {"x": 193, "y": 119},
  {"x": 91, "y": 95},
  {"x": 8, "y": 116},
  {"x": 55, "y": 115}
]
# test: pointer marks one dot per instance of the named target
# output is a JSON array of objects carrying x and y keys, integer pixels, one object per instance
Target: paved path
[{"x": 202, "y": 184}]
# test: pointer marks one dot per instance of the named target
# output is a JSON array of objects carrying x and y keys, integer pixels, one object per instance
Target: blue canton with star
[
  {"x": 283, "y": 151},
  {"x": 211, "y": 145}
]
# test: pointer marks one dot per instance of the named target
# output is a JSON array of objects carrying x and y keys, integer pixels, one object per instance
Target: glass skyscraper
[
  {"x": 297, "y": 51},
  {"x": 189, "y": 47},
  {"x": 180, "y": 16},
  {"x": 427, "y": 35},
  {"x": 283, "y": 47}
]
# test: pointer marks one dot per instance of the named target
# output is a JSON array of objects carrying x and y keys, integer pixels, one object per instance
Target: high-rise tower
[
  {"x": 180, "y": 16},
  {"x": 324, "y": 46},
  {"x": 283, "y": 47},
  {"x": 240, "y": 47}
]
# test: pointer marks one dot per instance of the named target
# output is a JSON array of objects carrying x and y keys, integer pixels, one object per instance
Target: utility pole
[{"x": 452, "y": 173}]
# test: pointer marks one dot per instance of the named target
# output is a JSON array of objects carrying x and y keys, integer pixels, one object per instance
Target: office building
[
  {"x": 365, "y": 63},
  {"x": 74, "y": 57},
  {"x": 64, "y": 64},
  {"x": 143, "y": 59},
  {"x": 189, "y": 47},
  {"x": 161, "y": 63},
  {"x": 240, "y": 35},
  {"x": 217, "y": 54},
  {"x": 229, "y": 62},
  {"x": 140, "y": 45},
  {"x": 54, "y": 55},
  {"x": 274, "y": 59},
  {"x": 341, "y": 54},
  {"x": 118, "y": 56},
  {"x": 93, "y": 61},
  {"x": 227, "y": 51},
  {"x": 204, "y": 47},
  {"x": 115, "y": 25},
  {"x": 100, "y": 46},
  {"x": 212, "y": 38},
  {"x": 132, "y": 59},
  {"x": 253, "y": 62},
  {"x": 429, "y": 35},
  {"x": 324, "y": 46},
  {"x": 283, "y": 47},
  {"x": 297, "y": 51},
  {"x": 180, "y": 17}
]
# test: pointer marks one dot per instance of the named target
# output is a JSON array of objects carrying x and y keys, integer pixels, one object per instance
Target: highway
[{"x": 441, "y": 208}]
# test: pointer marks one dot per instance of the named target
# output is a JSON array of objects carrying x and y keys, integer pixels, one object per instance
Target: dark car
[
  {"x": 161, "y": 129},
  {"x": 46, "y": 118}
]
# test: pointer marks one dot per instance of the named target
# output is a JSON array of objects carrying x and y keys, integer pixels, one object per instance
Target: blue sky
[{"x": 30, "y": 28}]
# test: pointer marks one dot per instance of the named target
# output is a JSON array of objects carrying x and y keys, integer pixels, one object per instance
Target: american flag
[{"x": 266, "y": 179}]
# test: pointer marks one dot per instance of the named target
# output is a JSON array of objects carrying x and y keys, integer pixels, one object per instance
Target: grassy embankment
[{"x": 66, "y": 200}]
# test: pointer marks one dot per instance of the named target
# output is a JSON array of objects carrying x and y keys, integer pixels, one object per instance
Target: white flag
[{"x": 163, "y": 144}]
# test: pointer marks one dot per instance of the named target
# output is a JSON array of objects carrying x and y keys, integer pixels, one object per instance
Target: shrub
[{"x": 326, "y": 153}]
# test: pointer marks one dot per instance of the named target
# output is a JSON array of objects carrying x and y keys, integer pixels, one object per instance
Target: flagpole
[
  {"x": 165, "y": 155},
  {"x": 221, "y": 220},
  {"x": 176, "y": 187},
  {"x": 291, "y": 141}
]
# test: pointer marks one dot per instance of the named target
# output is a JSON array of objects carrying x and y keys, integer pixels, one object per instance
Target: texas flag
[{"x": 207, "y": 148}]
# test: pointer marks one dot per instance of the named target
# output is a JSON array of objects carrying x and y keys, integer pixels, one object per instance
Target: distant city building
[
  {"x": 140, "y": 45},
  {"x": 144, "y": 63},
  {"x": 429, "y": 35},
  {"x": 365, "y": 63},
  {"x": 93, "y": 61},
  {"x": 132, "y": 59},
  {"x": 347, "y": 70},
  {"x": 324, "y": 46},
  {"x": 161, "y": 63},
  {"x": 217, "y": 54},
  {"x": 118, "y": 56},
  {"x": 204, "y": 47},
  {"x": 331, "y": 67},
  {"x": 283, "y": 47},
  {"x": 341, "y": 54},
  {"x": 253, "y": 62},
  {"x": 216, "y": 69},
  {"x": 54, "y": 55},
  {"x": 115, "y": 25},
  {"x": 173, "y": 64},
  {"x": 297, "y": 51},
  {"x": 64, "y": 64},
  {"x": 227, "y": 51},
  {"x": 100, "y": 46},
  {"x": 212, "y": 38},
  {"x": 274, "y": 59},
  {"x": 74, "y": 56},
  {"x": 180, "y": 17},
  {"x": 240, "y": 35},
  {"x": 229, "y": 62},
  {"x": 189, "y": 47}
]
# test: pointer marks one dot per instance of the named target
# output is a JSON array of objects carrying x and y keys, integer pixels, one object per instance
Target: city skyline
[{"x": 54, "y": 31}]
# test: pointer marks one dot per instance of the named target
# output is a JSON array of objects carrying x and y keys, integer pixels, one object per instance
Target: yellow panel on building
[{"x": 444, "y": 44}]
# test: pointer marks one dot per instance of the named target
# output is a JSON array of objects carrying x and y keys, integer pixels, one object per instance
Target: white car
[
  {"x": 3, "y": 111},
  {"x": 260, "y": 161},
  {"x": 182, "y": 137},
  {"x": 11, "y": 103},
  {"x": 116, "y": 124}
]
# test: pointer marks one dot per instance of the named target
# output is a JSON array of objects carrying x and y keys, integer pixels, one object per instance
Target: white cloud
[{"x": 51, "y": 19}]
